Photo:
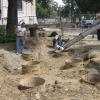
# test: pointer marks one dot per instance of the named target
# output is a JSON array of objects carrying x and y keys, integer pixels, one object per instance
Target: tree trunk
[{"x": 12, "y": 19}]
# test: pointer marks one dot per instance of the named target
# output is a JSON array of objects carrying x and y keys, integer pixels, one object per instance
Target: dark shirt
[{"x": 32, "y": 31}]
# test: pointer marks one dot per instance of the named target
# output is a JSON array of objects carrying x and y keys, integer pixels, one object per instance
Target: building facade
[{"x": 26, "y": 12}]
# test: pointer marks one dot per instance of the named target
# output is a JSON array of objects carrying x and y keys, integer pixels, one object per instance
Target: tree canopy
[
  {"x": 86, "y": 6},
  {"x": 91, "y": 6}
]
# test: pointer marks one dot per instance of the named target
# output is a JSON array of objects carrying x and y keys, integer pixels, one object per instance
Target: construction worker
[
  {"x": 57, "y": 41},
  {"x": 21, "y": 35}
]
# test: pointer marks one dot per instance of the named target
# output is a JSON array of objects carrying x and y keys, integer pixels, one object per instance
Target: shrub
[
  {"x": 2, "y": 34},
  {"x": 6, "y": 38}
]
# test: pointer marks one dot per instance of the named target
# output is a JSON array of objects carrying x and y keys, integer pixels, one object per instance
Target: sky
[{"x": 59, "y": 2}]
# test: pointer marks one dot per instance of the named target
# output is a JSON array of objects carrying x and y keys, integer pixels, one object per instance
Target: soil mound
[
  {"x": 91, "y": 78},
  {"x": 31, "y": 82}
]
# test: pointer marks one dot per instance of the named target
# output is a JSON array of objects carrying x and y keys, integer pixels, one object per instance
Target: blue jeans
[{"x": 19, "y": 44}]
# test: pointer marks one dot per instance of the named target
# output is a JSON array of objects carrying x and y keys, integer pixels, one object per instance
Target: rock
[
  {"x": 13, "y": 62},
  {"x": 68, "y": 61},
  {"x": 38, "y": 96}
]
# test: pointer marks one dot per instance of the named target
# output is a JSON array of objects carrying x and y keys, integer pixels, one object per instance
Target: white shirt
[
  {"x": 22, "y": 31},
  {"x": 56, "y": 37}
]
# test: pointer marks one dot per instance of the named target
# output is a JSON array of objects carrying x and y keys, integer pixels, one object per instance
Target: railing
[
  {"x": 28, "y": 20},
  {"x": 68, "y": 24}
]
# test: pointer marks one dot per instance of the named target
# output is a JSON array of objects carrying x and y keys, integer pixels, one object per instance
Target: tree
[
  {"x": 12, "y": 17},
  {"x": 54, "y": 9},
  {"x": 71, "y": 8},
  {"x": 65, "y": 11},
  {"x": 43, "y": 8},
  {"x": 91, "y": 6},
  {"x": 42, "y": 11},
  {"x": 44, "y": 3}
]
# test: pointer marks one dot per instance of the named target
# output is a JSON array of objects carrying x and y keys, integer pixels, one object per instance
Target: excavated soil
[{"x": 52, "y": 76}]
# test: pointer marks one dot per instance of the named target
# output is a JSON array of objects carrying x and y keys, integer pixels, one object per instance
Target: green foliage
[
  {"x": 88, "y": 6},
  {"x": 43, "y": 8},
  {"x": 10, "y": 37},
  {"x": 4, "y": 37},
  {"x": 65, "y": 11},
  {"x": 70, "y": 8},
  {"x": 44, "y": 3},
  {"x": 2, "y": 34},
  {"x": 85, "y": 6},
  {"x": 41, "y": 11}
]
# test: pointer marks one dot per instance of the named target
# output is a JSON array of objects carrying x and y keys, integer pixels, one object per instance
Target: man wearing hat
[{"x": 21, "y": 33}]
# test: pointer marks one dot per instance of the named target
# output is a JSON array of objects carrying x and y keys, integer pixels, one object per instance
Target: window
[{"x": 19, "y": 5}]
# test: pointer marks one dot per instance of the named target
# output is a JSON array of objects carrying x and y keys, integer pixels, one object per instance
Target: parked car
[{"x": 88, "y": 22}]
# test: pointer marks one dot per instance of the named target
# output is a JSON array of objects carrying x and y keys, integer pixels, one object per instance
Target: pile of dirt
[
  {"x": 31, "y": 82},
  {"x": 31, "y": 68},
  {"x": 36, "y": 42},
  {"x": 72, "y": 63},
  {"x": 50, "y": 78},
  {"x": 30, "y": 55},
  {"x": 91, "y": 65},
  {"x": 57, "y": 54},
  {"x": 92, "y": 59},
  {"x": 91, "y": 78},
  {"x": 92, "y": 54}
]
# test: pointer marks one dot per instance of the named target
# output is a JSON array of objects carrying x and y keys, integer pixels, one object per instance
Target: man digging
[{"x": 21, "y": 35}]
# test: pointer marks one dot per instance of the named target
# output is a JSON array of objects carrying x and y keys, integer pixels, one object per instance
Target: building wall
[{"x": 28, "y": 13}]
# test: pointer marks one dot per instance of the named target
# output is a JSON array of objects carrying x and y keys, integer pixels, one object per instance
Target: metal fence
[
  {"x": 70, "y": 25},
  {"x": 78, "y": 21},
  {"x": 28, "y": 20}
]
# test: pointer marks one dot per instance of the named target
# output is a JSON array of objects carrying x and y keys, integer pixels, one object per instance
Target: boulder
[{"x": 13, "y": 63}]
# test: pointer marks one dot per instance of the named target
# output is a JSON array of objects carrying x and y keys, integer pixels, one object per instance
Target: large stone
[{"x": 13, "y": 63}]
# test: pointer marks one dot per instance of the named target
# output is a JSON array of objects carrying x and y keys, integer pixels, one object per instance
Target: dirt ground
[{"x": 62, "y": 80}]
